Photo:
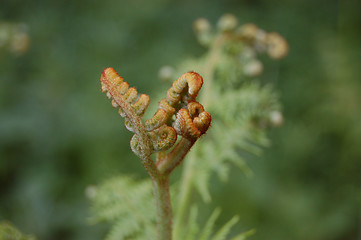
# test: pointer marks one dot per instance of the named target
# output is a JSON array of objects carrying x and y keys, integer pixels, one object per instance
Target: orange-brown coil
[
  {"x": 114, "y": 85},
  {"x": 183, "y": 91}
]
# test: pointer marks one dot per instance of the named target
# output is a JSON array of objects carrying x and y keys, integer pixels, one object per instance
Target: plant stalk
[
  {"x": 175, "y": 157},
  {"x": 163, "y": 207},
  {"x": 184, "y": 195}
]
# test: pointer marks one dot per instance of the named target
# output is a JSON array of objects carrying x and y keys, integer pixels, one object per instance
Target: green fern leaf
[
  {"x": 208, "y": 228},
  {"x": 245, "y": 235},
  {"x": 224, "y": 231},
  {"x": 126, "y": 203},
  {"x": 9, "y": 232},
  {"x": 192, "y": 227},
  {"x": 238, "y": 130}
]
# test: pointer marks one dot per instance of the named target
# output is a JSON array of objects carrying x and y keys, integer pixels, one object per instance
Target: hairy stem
[
  {"x": 165, "y": 166},
  {"x": 163, "y": 207},
  {"x": 175, "y": 157},
  {"x": 184, "y": 195}
]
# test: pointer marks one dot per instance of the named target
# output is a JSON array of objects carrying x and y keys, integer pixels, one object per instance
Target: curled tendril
[
  {"x": 203, "y": 121},
  {"x": 161, "y": 138},
  {"x": 189, "y": 83},
  {"x": 195, "y": 108},
  {"x": 159, "y": 118},
  {"x": 191, "y": 123},
  {"x": 141, "y": 105},
  {"x": 183, "y": 91},
  {"x": 162, "y": 116},
  {"x": 119, "y": 90}
]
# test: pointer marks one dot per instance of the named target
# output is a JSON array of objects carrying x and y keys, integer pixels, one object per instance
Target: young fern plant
[
  {"x": 179, "y": 114},
  {"x": 242, "y": 110}
]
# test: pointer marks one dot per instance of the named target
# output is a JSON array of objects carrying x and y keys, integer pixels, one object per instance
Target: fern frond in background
[
  {"x": 126, "y": 202},
  {"x": 240, "y": 127},
  {"x": 9, "y": 232},
  {"x": 241, "y": 107},
  {"x": 242, "y": 110},
  {"x": 193, "y": 232}
]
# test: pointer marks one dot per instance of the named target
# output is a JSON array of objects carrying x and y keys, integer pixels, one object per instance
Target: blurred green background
[{"x": 59, "y": 133}]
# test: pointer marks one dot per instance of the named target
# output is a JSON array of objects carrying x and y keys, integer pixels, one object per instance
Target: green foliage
[
  {"x": 193, "y": 232},
  {"x": 242, "y": 110},
  {"x": 9, "y": 232},
  {"x": 207, "y": 231},
  {"x": 240, "y": 118},
  {"x": 128, "y": 204}
]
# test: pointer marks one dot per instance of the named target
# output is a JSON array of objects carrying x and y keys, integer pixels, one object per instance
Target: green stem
[
  {"x": 165, "y": 166},
  {"x": 175, "y": 157},
  {"x": 184, "y": 195},
  {"x": 163, "y": 208}
]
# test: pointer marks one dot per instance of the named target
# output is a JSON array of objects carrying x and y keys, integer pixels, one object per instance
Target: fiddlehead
[
  {"x": 132, "y": 108},
  {"x": 184, "y": 90},
  {"x": 161, "y": 130},
  {"x": 159, "y": 133},
  {"x": 272, "y": 43},
  {"x": 192, "y": 122},
  {"x": 119, "y": 90},
  {"x": 190, "y": 82}
]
